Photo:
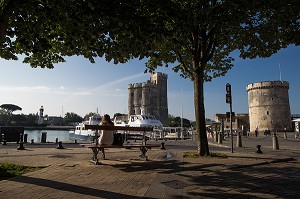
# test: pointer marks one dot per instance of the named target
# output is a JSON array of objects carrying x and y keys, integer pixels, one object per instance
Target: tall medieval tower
[
  {"x": 269, "y": 107},
  {"x": 151, "y": 96}
]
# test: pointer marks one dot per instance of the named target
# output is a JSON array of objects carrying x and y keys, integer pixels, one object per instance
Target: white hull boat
[{"x": 80, "y": 133}]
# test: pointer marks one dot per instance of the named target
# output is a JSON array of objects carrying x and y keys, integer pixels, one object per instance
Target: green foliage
[
  {"x": 176, "y": 121},
  {"x": 196, "y": 155},
  {"x": 87, "y": 116},
  {"x": 10, "y": 170},
  {"x": 9, "y": 108},
  {"x": 197, "y": 36},
  {"x": 72, "y": 117}
]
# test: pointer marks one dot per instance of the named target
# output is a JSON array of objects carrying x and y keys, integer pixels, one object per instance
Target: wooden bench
[
  {"x": 143, "y": 146},
  {"x": 96, "y": 148}
]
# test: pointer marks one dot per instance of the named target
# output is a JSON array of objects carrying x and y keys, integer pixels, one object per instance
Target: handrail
[{"x": 122, "y": 128}]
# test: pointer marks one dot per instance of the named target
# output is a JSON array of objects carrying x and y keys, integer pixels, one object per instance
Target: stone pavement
[{"x": 68, "y": 172}]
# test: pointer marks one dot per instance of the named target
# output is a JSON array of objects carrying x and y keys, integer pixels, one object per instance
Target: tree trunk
[{"x": 200, "y": 135}]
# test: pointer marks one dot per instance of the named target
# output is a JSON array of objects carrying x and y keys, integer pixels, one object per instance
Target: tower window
[{"x": 267, "y": 112}]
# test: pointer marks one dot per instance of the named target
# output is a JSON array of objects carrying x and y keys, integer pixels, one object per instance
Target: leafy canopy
[
  {"x": 198, "y": 36},
  {"x": 9, "y": 108}
]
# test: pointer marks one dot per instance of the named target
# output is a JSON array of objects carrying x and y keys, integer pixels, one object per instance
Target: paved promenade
[{"x": 68, "y": 172}]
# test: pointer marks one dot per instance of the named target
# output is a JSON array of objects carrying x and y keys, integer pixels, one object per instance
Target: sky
[{"x": 81, "y": 87}]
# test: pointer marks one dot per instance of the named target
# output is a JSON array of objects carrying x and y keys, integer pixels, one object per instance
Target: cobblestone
[{"x": 68, "y": 172}]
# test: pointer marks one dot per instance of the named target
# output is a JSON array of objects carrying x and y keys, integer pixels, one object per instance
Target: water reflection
[{"x": 51, "y": 135}]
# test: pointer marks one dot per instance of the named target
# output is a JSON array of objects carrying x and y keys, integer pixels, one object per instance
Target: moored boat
[{"x": 80, "y": 133}]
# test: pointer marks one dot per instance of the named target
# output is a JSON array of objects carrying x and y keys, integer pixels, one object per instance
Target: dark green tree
[
  {"x": 196, "y": 36},
  {"x": 31, "y": 119},
  {"x": 9, "y": 108},
  {"x": 87, "y": 116},
  {"x": 72, "y": 117},
  {"x": 176, "y": 121}
]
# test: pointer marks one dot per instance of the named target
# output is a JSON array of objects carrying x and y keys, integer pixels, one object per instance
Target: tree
[
  {"x": 9, "y": 108},
  {"x": 87, "y": 116},
  {"x": 176, "y": 121},
  {"x": 196, "y": 35},
  {"x": 72, "y": 117}
]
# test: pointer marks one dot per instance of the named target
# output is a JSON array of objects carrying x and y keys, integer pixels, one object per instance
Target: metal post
[
  {"x": 231, "y": 126},
  {"x": 229, "y": 101},
  {"x": 96, "y": 135}
]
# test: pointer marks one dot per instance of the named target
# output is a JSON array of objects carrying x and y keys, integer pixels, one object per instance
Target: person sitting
[{"x": 106, "y": 136}]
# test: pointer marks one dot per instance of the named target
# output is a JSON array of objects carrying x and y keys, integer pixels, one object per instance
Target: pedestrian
[
  {"x": 256, "y": 132},
  {"x": 106, "y": 136}
]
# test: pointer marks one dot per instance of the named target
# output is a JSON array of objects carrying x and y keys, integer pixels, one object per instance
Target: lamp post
[{"x": 229, "y": 101}]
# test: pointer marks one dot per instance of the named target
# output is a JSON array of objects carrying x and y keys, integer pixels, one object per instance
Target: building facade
[
  {"x": 240, "y": 122},
  {"x": 269, "y": 107},
  {"x": 150, "y": 96}
]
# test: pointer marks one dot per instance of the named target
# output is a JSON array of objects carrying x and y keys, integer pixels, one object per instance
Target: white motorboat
[
  {"x": 81, "y": 133},
  {"x": 145, "y": 121},
  {"x": 141, "y": 120}
]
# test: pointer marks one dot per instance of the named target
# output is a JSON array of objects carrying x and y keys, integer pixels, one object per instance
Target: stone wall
[
  {"x": 269, "y": 107},
  {"x": 151, "y": 96}
]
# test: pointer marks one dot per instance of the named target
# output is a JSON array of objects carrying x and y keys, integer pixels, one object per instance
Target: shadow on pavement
[{"x": 70, "y": 188}]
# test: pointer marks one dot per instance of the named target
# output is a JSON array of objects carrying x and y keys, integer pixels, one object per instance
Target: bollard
[
  {"x": 258, "y": 150},
  {"x": 60, "y": 146},
  {"x": 3, "y": 140},
  {"x": 219, "y": 138},
  {"x": 56, "y": 140},
  {"x": 21, "y": 137},
  {"x": 239, "y": 140},
  {"x": 44, "y": 137},
  {"x": 284, "y": 135},
  {"x": 216, "y": 137},
  {"x": 162, "y": 146},
  {"x": 21, "y": 147},
  {"x": 25, "y": 138},
  {"x": 275, "y": 142}
]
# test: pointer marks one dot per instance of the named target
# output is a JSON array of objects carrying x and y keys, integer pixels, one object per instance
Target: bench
[
  {"x": 96, "y": 148},
  {"x": 143, "y": 146},
  {"x": 11, "y": 134}
]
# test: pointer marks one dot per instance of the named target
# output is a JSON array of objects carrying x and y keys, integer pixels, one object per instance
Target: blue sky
[{"x": 81, "y": 87}]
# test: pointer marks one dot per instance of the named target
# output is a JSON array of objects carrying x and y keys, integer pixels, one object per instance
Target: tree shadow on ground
[{"x": 71, "y": 188}]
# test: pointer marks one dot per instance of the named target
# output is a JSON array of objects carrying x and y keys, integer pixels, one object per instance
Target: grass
[
  {"x": 8, "y": 170},
  {"x": 196, "y": 155}
]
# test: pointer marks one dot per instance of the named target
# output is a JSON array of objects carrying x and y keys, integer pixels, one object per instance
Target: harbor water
[{"x": 51, "y": 135}]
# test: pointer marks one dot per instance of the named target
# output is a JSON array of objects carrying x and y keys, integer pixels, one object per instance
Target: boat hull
[{"x": 88, "y": 136}]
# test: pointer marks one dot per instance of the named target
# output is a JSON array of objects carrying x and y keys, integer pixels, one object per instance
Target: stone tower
[
  {"x": 151, "y": 96},
  {"x": 269, "y": 107}
]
